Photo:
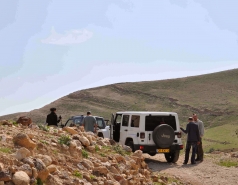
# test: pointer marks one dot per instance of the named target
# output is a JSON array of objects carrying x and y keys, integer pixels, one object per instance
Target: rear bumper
[{"x": 153, "y": 148}]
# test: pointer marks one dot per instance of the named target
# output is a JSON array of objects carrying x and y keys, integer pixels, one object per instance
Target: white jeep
[{"x": 150, "y": 132}]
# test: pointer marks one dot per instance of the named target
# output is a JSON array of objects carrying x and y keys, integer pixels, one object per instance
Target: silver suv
[{"x": 150, "y": 132}]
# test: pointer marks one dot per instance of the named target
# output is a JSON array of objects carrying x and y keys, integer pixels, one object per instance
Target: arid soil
[{"x": 207, "y": 172}]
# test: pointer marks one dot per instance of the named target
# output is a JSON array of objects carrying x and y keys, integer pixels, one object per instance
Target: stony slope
[{"x": 31, "y": 156}]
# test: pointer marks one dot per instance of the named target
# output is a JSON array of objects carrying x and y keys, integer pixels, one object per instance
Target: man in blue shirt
[{"x": 193, "y": 139}]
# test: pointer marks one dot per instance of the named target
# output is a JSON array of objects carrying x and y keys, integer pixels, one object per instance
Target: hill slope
[{"x": 212, "y": 96}]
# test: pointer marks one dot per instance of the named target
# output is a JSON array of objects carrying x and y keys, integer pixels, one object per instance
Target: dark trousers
[
  {"x": 194, "y": 150},
  {"x": 200, "y": 151}
]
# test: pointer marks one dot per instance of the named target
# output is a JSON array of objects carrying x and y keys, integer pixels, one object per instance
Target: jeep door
[
  {"x": 124, "y": 128},
  {"x": 134, "y": 129}
]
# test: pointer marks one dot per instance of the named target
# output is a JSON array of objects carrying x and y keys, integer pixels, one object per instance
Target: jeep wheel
[
  {"x": 131, "y": 145},
  {"x": 163, "y": 136},
  {"x": 172, "y": 157}
]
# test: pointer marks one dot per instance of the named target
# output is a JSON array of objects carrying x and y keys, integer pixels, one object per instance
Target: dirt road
[{"x": 203, "y": 173}]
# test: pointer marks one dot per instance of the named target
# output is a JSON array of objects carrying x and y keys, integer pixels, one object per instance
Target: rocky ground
[
  {"x": 37, "y": 155},
  {"x": 208, "y": 172},
  {"x": 32, "y": 155}
]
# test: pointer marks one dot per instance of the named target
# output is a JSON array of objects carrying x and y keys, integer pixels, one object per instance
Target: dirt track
[{"x": 203, "y": 173}]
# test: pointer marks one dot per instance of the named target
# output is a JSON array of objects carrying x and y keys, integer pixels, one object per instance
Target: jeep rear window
[{"x": 151, "y": 122}]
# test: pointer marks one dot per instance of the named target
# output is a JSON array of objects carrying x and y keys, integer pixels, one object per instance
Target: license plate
[{"x": 163, "y": 150}]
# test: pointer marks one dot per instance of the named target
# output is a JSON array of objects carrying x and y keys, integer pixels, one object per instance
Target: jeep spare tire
[{"x": 163, "y": 136}]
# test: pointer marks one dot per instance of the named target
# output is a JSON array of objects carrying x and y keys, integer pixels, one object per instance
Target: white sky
[{"x": 52, "y": 48}]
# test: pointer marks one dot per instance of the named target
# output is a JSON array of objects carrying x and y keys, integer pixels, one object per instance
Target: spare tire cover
[{"x": 163, "y": 136}]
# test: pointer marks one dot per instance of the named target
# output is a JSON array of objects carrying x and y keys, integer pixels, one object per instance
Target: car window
[
  {"x": 77, "y": 121},
  {"x": 100, "y": 123},
  {"x": 69, "y": 123},
  {"x": 153, "y": 121},
  {"x": 135, "y": 121},
  {"x": 125, "y": 120}
]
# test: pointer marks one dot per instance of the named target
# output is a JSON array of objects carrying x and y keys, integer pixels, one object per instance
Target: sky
[{"x": 50, "y": 48}]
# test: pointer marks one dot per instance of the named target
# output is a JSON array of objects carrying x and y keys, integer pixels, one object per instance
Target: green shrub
[
  {"x": 44, "y": 128},
  {"x": 39, "y": 182},
  {"x": 97, "y": 148},
  {"x": 211, "y": 150},
  {"x": 5, "y": 150},
  {"x": 119, "y": 150},
  {"x": 84, "y": 153},
  {"x": 228, "y": 163},
  {"x": 64, "y": 139},
  {"x": 102, "y": 154},
  {"x": 78, "y": 174}
]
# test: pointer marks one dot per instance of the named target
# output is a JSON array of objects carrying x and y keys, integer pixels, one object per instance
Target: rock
[
  {"x": 22, "y": 153},
  {"x": 112, "y": 142},
  {"x": 127, "y": 148},
  {"x": 84, "y": 141},
  {"x": 87, "y": 164},
  {"x": 5, "y": 176},
  {"x": 46, "y": 159},
  {"x": 25, "y": 121},
  {"x": 26, "y": 168},
  {"x": 70, "y": 130},
  {"x": 42, "y": 171},
  {"x": 5, "y": 122},
  {"x": 102, "y": 170},
  {"x": 29, "y": 161},
  {"x": 138, "y": 153},
  {"x": 21, "y": 178},
  {"x": 23, "y": 140},
  {"x": 100, "y": 142},
  {"x": 53, "y": 180},
  {"x": 34, "y": 172},
  {"x": 1, "y": 166},
  {"x": 52, "y": 168},
  {"x": 91, "y": 149}
]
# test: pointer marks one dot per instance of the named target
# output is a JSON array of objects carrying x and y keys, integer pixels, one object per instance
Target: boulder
[
  {"x": 70, "y": 130},
  {"x": 5, "y": 176},
  {"x": 22, "y": 153},
  {"x": 84, "y": 141},
  {"x": 21, "y": 178},
  {"x": 26, "y": 168},
  {"x": 101, "y": 170},
  {"x": 24, "y": 120},
  {"x": 42, "y": 171},
  {"x": 52, "y": 168},
  {"x": 23, "y": 140},
  {"x": 53, "y": 180},
  {"x": 46, "y": 159}
]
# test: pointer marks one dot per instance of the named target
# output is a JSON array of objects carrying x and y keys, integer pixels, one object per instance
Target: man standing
[
  {"x": 192, "y": 140},
  {"x": 89, "y": 123},
  {"x": 52, "y": 118},
  {"x": 200, "y": 125}
]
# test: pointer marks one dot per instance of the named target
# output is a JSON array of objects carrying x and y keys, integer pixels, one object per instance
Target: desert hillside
[
  {"x": 212, "y": 96},
  {"x": 52, "y": 156}
]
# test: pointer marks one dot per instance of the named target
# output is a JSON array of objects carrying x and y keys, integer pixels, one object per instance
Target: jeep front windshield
[{"x": 151, "y": 122}]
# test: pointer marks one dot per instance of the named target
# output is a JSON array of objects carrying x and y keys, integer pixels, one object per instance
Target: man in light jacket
[{"x": 200, "y": 125}]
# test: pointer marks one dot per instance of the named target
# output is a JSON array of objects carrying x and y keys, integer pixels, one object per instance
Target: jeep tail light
[
  {"x": 141, "y": 147},
  {"x": 178, "y": 134},
  {"x": 142, "y": 135},
  {"x": 181, "y": 146}
]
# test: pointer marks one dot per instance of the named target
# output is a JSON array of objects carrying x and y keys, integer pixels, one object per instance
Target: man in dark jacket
[
  {"x": 193, "y": 139},
  {"x": 52, "y": 118}
]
